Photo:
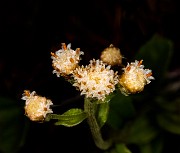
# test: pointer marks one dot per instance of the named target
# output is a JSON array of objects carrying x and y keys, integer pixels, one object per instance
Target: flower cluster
[
  {"x": 95, "y": 80},
  {"x": 65, "y": 60}
]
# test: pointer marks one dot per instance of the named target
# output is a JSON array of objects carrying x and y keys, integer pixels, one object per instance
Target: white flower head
[
  {"x": 65, "y": 60},
  {"x": 36, "y": 107},
  {"x": 111, "y": 55},
  {"x": 135, "y": 77},
  {"x": 95, "y": 80}
]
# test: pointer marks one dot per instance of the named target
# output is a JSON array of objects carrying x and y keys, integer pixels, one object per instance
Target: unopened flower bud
[
  {"x": 36, "y": 107},
  {"x": 111, "y": 55},
  {"x": 134, "y": 78}
]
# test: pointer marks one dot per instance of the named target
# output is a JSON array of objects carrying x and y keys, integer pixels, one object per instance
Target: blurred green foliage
[
  {"x": 141, "y": 120},
  {"x": 13, "y": 126}
]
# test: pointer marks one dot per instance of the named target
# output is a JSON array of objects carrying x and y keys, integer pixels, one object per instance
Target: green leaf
[
  {"x": 168, "y": 124},
  {"x": 70, "y": 118},
  {"x": 146, "y": 148},
  {"x": 119, "y": 148},
  {"x": 156, "y": 55},
  {"x": 121, "y": 109},
  {"x": 103, "y": 111},
  {"x": 13, "y": 126},
  {"x": 141, "y": 131},
  {"x": 169, "y": 117},
  {"x": 122, "y": 148},
  {"x": 155, "y": 146},
  {"x": 168, "y": 105}
]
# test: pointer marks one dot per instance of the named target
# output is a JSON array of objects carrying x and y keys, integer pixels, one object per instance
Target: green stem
[
  {"x": 52, "y": 116},
  {"x": 89, "y": 108}
]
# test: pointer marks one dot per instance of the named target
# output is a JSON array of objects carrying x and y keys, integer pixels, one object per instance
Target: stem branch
[{"x": 89, "y": 108}]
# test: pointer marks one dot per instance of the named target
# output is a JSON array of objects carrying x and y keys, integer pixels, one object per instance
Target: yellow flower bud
[
  {"x": 134, "y": 78},
  {"x": 111, "y": 55}
]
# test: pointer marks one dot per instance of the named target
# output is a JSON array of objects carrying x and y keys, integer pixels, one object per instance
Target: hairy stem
[{"x": 89, "y": 108}]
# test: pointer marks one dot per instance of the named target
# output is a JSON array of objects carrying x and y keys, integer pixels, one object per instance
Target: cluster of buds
[{"x": 96, "y": 80}]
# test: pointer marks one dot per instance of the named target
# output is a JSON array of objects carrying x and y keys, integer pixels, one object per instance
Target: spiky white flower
[
  {"x": 135, "y": 77},
  {"x": 111, "y": 55},
  {"x": 95, "y": 80},
  {"x": 65, "y": 60},
  {"x": 36, "y": 107}
]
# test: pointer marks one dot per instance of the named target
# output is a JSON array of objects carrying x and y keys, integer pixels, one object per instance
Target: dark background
[{"x": 31, "y": 29}]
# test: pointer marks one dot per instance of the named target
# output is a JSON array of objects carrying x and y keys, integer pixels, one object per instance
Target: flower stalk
[{"x": 90, "y": 109}]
